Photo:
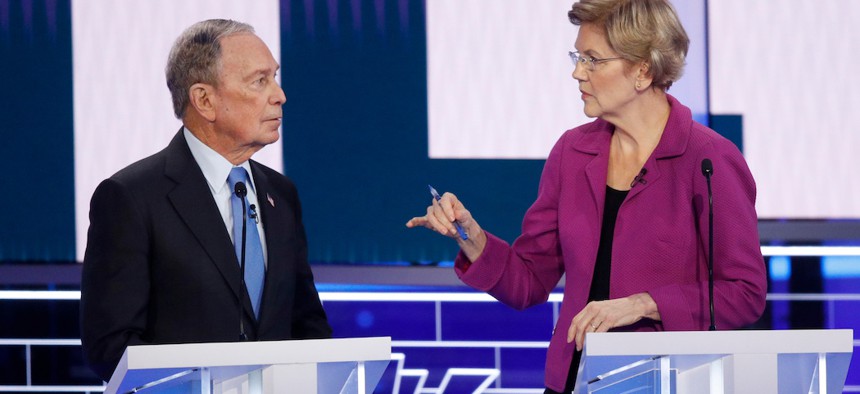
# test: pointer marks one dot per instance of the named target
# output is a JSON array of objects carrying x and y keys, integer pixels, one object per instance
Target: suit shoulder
[
  {"x": 142, "y": 172},
  {"x": 584, "y": 130},
  {"x": 268, "y": 171},
  {"x": 588, "y": 137},
  {"x": 272, "y": 175},
  {"x": 703, "y": 138},
  {"x": 276, "y": 181}
]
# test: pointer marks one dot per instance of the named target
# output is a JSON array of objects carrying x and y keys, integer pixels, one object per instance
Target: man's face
[{"x": 249, "y": 98}]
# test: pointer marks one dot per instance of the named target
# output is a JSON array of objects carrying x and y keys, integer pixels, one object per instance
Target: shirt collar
[{"x": 214, "y": 166}]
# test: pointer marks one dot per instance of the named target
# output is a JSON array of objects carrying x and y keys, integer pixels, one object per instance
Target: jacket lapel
[
  {"x": 272, "y": 210},
  {"x": 651, "y": 175},
  {"x": 194, "y": 204},
  {"x": 672, "y": 143},
  {"x": 596, "y": 142}
]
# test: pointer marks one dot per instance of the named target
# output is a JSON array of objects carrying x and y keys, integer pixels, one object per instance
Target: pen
[{"x": 436, "y": 195}]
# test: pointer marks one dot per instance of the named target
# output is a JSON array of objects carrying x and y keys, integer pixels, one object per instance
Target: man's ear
[{"x": 203, "y": 100}]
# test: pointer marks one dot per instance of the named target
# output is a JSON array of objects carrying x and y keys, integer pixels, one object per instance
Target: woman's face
[{"x": 609, "y": 88}]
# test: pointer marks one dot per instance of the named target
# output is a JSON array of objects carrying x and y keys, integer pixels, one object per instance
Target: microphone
[
  {"x": 253, "y": 214},
  {"x": 708, "y": 171},
  {"x": 241, "y": 191},
  {"x": 639, "y": 178}
]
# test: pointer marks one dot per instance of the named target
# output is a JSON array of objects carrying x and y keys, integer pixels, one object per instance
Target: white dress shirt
[{"x": 216, "y": 169}]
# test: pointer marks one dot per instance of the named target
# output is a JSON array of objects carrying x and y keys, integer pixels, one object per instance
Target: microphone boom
[{"x": 708, "y": 171}]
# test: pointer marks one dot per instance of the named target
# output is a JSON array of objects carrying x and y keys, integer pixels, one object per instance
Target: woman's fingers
[{"x": 441, "y": 215}]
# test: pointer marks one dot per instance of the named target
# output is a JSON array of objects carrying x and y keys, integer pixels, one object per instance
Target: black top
[{"x": 600, "y": 281}]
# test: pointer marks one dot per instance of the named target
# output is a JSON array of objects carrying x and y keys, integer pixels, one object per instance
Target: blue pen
[{"x": 436, "y": 195}]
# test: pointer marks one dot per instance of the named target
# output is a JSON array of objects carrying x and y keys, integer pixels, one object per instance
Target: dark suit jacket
[{"x": 160, "y": 267}]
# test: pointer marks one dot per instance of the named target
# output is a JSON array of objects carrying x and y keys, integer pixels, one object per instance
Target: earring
[{"x": 638, "y": 86}]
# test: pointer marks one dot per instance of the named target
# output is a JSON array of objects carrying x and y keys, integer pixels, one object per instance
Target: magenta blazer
[{"x": 661, "y": 236}]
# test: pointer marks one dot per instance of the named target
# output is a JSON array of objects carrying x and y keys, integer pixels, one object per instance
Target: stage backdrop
[
  {"x": 787, "y": 68},
  {"x": 386, "y": 96}
]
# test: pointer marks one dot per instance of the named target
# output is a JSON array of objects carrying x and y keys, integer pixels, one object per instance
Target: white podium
[
  {"x": 732, "y": 362},
  {"x": 352, "y": 365}
]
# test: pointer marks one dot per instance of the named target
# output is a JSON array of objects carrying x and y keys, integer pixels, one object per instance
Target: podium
[
  {"x": 731, "y": 362},
  {"x": 352, "y": 365}
]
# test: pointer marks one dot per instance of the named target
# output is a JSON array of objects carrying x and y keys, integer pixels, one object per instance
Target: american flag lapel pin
[{"x": 271, "y": 200}]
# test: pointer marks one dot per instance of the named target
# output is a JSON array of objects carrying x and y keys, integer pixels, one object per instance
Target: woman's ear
[{"x": 643, "y": 77}]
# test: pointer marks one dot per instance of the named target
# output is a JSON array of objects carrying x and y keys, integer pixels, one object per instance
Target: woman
[{"x": 622, "y": 206}]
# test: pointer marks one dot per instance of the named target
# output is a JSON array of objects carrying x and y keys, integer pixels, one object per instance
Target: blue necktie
[{"x": 255, "y": 270}]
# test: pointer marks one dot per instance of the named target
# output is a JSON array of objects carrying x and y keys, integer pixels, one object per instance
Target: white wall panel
[
  {"x": 789, "y": 68},
  {"x": 499, "y": 77}
]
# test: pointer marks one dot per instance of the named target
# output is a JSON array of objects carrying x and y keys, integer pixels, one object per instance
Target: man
[{"x": 164, "y": 252}]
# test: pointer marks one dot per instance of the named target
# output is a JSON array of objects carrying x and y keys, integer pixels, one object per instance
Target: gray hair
[{"x": 196, "y": 58}]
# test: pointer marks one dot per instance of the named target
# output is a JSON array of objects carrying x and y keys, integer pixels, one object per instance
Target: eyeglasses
[{"x": 588, "y": 62}]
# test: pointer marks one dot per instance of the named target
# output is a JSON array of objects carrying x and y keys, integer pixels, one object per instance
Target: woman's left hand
[{"x": 602, "y": 316}]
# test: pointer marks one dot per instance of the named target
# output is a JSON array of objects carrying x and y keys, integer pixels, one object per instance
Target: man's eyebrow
[{"x": 263, "y": 71}]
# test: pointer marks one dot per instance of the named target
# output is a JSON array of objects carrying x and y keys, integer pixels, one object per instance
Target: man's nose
[{"x": 279, "y": 97}]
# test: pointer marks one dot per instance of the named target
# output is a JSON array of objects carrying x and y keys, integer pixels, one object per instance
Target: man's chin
[{"x": 272, "y": 136}]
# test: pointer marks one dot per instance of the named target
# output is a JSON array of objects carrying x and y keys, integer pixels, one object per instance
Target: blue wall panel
[
  {"x": 12, "y": 365},
  {"x": 853, "y": 378},
  {"x": 523, "y": 367},
  {"x": 484, "y": 321},
  {"x": 36, "y": 123},
  {"x": 355, "y": 137},
  {"x": 368, "y": 319},
  {"x": 438, "y": 360}
]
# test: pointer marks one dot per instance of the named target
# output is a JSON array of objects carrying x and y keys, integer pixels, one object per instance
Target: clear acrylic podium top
[
  {"x": 744, "y": 361},
  {"x": 352, "y": 365}
]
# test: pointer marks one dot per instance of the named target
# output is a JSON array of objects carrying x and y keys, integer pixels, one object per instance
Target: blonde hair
[{"x": 640, "y": 30}]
